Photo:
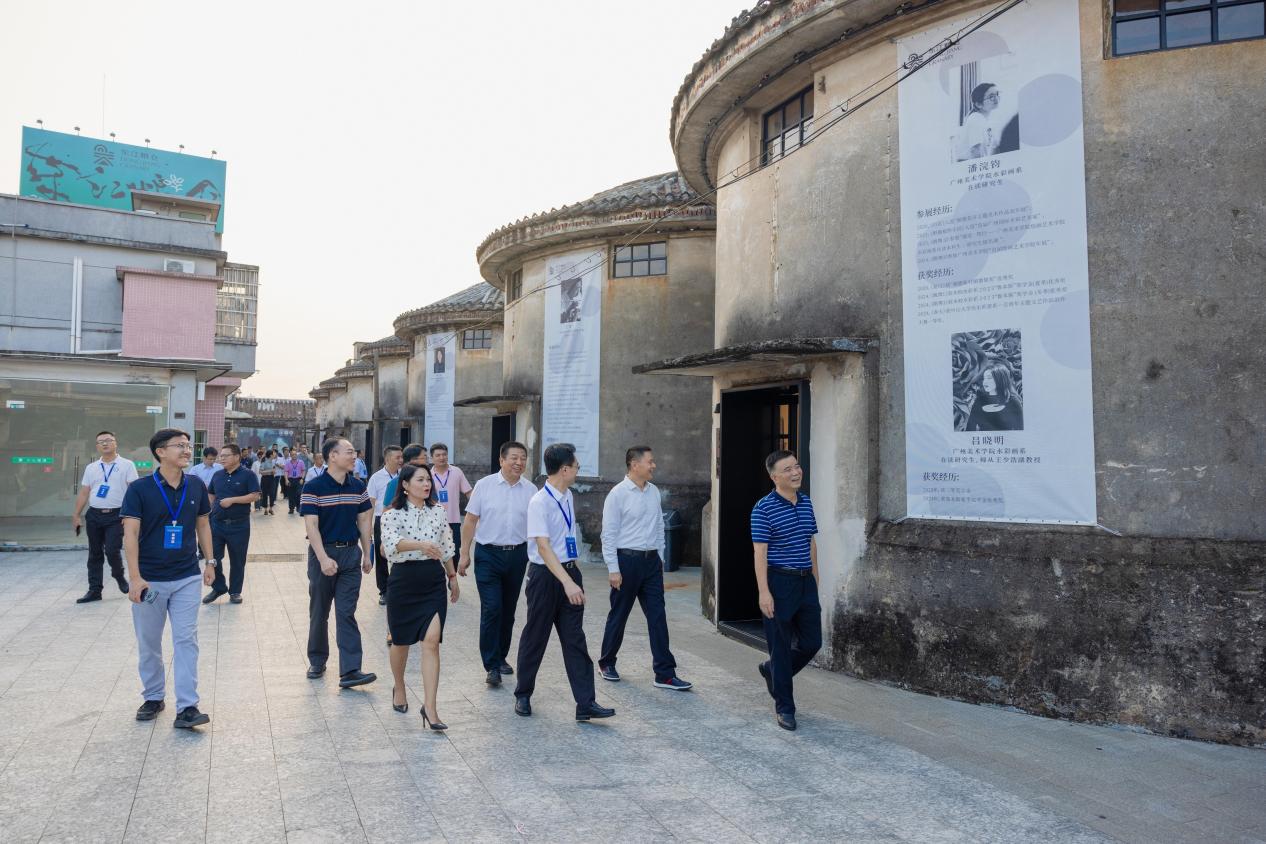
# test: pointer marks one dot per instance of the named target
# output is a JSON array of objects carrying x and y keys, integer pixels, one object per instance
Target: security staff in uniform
[
  {"x": 555, "y": 590},
  {"x": 496, "y": 522},
  {"x": 786, "y": 559},
  {"x": 102, "y": 488},
  {"x": 633, "y": 549},
  {"x": 233, "y": 491},
  {"x": 337, "y": 513}
]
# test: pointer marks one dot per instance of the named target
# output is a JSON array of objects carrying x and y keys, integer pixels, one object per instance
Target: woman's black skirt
[{"x": 417, "y": 590}]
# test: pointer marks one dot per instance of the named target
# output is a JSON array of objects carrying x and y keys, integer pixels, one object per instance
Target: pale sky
[{"x": 368, "y": 153}]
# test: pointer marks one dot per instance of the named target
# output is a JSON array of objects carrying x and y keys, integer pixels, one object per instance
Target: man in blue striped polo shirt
[{"x": 783, "y": 529}]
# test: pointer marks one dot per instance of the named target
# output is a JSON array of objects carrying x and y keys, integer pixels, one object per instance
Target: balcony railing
[{"x": 237, "y": 304}]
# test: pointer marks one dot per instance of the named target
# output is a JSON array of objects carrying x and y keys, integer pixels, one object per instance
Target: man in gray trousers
[{"x": 338, "y": 514}]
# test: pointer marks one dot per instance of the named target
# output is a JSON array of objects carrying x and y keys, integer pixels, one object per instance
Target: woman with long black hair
[
  {"x": 268, "y": 481},
  {"x": 418, "y": 544}
]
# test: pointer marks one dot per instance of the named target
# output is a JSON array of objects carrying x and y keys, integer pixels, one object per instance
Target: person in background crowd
[
  {"x": 268, "y": 481},
  {"x": 279, "y": 472},
  {"x": 450, "y": 486},
  {"x": 233, "y": 491},
  {"x": 165, "y": 523},
  {"x": 295, "y": 471},
  {"x": 208, "y": 467},
  {"x": 362, "y": 471},
  {"x": 392, "y": 458},
  {"x": 101, "y": 489},
  {"x": 318, "y": 468},
  {"x": 306, "y": 457},
  {"x": 248, "y": 459},
  {"x": 257, "y": 467},
  {"x": 417, "y": 540}
]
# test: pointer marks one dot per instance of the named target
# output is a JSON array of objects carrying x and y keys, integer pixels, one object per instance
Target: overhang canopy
[
  {"x": 502, "y": 404},
  {"x": 746, "y": 355}
]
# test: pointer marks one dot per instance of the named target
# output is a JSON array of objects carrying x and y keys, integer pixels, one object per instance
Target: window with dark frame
[
  {"x": 1145, "y": 26},
  {"x": 640, "y": 260},
  {"x": 477, "y": 338},
  {"x": 785, "y": 128},
  {"x": 515, "y": 288}
]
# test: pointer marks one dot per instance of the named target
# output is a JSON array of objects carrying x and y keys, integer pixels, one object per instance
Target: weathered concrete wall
[
  {"x": 393, "y": 386},
  {"x": 417, "y": 379}
]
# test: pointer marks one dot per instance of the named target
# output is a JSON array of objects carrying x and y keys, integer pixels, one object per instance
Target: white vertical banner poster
[
  {"x": 441, "y": 381},
  {"x": 995, "y": 285},
  {"x": 573, "y": 355}
]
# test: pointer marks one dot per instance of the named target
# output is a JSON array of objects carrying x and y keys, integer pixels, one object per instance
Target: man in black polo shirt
[
  {"x": 233, "y": 491},
  {"x": 164, "y": 525},
  {"x": 337, "y": 513}
]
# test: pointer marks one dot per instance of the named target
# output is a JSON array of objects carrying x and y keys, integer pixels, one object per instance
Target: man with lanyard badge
[
  {"x": 316, "y": 470},
  {"x": 164, "y": 525},
  {"x": 295, "y": 471},
  {"x": 102, "y": 488},
  {"x": 450, "y": 486},
  {"x": 555, "y": 590},
  {"x": 233, "y": 491},
  {"x": 392, "y": 459}
]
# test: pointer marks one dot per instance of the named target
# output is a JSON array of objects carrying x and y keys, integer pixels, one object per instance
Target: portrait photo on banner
[
  {"x": 571, "y": 292},
  {"x": 987, "y": 117},
  {"x": 988, "y": 380}
]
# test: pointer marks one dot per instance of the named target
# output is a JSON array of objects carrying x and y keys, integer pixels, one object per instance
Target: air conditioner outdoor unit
[{"x": 175, "y": 265}]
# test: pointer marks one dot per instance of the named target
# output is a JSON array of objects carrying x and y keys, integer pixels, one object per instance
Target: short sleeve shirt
[
  {"x": 120, "y": 472},
  {"x": 547, "y": 515},
  {"x": 241, "y": 481},
  {"x": 336, "y": 506},
  {"x": 455, "y": 484},
  {"x": 786, "y": 528},
  {"x": 502, "y": 509},
  {"x": 145, "y": 502}
]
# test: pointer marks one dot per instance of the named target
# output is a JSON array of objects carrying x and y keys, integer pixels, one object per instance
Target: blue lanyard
[
  {"x": 184, "y": 490},
  {"x": 110, "y": 472},
  {"x": 444, "y": 480},
  {"x": 566, "y": 513}
]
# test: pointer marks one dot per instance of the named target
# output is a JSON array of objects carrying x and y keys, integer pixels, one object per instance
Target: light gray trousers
[{"x": 178, "y": 600}]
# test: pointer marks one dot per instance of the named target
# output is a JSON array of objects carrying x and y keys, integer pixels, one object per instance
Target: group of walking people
[{"x": 407, "y": 521}]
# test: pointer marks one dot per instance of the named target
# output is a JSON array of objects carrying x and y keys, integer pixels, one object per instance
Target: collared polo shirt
[
  {"x": 295, "y": 468},
  {"x": 314, "y": 472},
  {"x": 632, "y": 520},
  {"x": 225, "y": 484},
  {"x": 502, "y": 509},
  {"x": 455, "y": 483},
  {"x": 144, "y": 502},
  {"x": 547, "y": 515},
  {"x": 121, "y": 472},
  {"x": 336, "y": 506},
  {"x": 787, "y": 528}
]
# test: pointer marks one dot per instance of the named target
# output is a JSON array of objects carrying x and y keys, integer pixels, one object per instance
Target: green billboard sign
[{"x": 90, "y": 171}]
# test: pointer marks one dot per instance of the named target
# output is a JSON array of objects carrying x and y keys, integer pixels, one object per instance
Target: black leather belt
[
  {"x": 340, "y": 544},
  {"x": 104, "y": 511},
  {"x": 230, "y": 521},
  {"x": 791, "y": 572},
  {"x": 502, "y": 547},
  {"x": 637, "y": 553}
]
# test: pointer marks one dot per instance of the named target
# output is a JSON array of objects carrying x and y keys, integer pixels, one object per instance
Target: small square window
[
  {"x": 477, "y": 338},
  {"x": 640, "y": 259},
  {"x": 1140, "y": 26},
  {"x": 786, "y": 127}
]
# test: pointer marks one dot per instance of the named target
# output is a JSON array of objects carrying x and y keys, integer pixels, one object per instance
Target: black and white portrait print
[
  {"x": 570, "y": 292},
  {"x": 988, "y": 379}
]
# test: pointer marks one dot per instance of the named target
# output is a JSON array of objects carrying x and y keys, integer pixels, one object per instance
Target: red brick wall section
[
  {"x": 208, "y": 415},
  {"x": 166, "y": 317}
]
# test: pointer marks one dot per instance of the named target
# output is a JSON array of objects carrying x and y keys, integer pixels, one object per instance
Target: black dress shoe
[
  {"x": 763, "y": 668},
  {"x": 213, "y": 595},
  {"x": 522, "y": 706},
  {"x": 315, "y": 671},
  {"x": 90, "y": 595},
  {"x": 382, "y": 600},
  {"x": 149, "y": 710},
  {"x": 787, "y": 721},
  {"x": 355, "y": 678},
  {"x": 494, "y": 677},
  {"x": 593, "y": 710},
  {"x": 505, "y": 668},
  {"x": 190, "y": 717},
  {"x": 399, "y": 707},
  {"x": 122, "y": 581},
  {"x": 235, "y": 599}
]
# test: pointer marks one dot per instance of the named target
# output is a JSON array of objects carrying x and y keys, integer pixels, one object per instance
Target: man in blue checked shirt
[{"x": 786, "y": 555}]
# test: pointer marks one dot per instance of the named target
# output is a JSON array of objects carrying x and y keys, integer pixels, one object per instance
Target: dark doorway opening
[
  {"x": 406, "y": 434},
  {"x": 503, "y": 430},
  {"x": 754, "y": 422}
]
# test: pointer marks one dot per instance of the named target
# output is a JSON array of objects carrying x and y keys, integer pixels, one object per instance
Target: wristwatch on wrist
[{"x": 210, "y": 563}]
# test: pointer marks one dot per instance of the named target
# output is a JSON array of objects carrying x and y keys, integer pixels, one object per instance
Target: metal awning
[
  {"x": 502, "y": 404},
  {"x": 746, "y": 355}
]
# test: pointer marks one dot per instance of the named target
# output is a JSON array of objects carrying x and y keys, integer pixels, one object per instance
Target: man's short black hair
[
  {"x": 231, "y": 448},
  {"x": 438, "y": 447},
  {"x": 329, "y": 445},
  {"x": 559, "y": 455},
  {"x": 774, "y": 456},
  {"x": 164, "y": 436},
  {"x": 210, "y": 451},
  {"x": 111, "y": 433},
  {"x": 506, "y": 446},
  {"x": 413, "y": 451},
  {"x": 634, "y": 454},
  {"x": 390, "y": 449}
]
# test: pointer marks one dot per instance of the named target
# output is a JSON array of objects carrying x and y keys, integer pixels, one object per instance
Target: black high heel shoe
[
  {"x": 399, "y": 707},
  {"x": 438, "y": 726}
]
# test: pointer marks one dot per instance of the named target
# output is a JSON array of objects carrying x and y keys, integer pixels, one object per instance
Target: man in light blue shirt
[{"x": 208, "y": 467}]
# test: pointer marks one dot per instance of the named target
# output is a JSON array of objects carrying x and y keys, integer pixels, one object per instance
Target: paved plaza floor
[{"x": 287, "y": 758}]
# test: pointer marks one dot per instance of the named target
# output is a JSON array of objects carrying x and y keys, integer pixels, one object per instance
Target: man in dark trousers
[
  {"x": 101, "y": 489},
  {"x": 337, "y": 514},
  {"x": 392, "y": 460},
  {"x": 164, "y": 526},
  {"x": 496, "y": 523},
  {"x": 233, "y": 491},
  {"x": 633, "y": 549},
  {"x": 555, "y": 590},
  {"x": 786, "y": 559}
]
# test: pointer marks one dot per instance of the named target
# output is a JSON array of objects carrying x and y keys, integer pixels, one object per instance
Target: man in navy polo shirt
[
  {"x": 164, "y": 525},
  {"x": 233, "y": 491},
  {"x": 338, "y": 514},
  {"x": 786, "y": 555}
]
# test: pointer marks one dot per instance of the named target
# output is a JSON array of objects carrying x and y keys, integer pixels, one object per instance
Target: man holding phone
[{"x": 104, "y": 482}]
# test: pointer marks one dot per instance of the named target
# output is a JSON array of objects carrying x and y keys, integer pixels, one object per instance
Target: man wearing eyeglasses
[
  {"x": 786, "y": 559},
  {"x": 104, "y": 482}
]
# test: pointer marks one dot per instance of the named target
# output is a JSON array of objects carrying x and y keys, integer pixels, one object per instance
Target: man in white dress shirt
[
  {"x": 496, "y": 523},
  {"x": 392, "y": 460},
  {"x": 555, "y": 590},
  {"x": 104, "y": 482},
  {"x": 633, "y": 549}
]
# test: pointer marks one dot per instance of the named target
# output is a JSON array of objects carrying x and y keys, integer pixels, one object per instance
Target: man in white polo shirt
[
  {"x": 555, "y": 590},
  {"x": 104, "y": 482},
  {"x": 392, "y": 459}
]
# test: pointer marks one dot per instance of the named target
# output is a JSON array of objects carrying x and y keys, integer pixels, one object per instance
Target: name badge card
[
  {"x": 173, "y": 536},
  {"x": 572, "y": 553},
  {"x": 443, "y": 496},
  {"x": 103, "y": 490}
]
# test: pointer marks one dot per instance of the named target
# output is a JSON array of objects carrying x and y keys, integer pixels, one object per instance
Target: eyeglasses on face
[
  {"x": 183, "y": 446},
  {"x": 995, "y": 96}
]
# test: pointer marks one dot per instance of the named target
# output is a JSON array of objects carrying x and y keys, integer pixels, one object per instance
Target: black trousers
[
  {"x": 499, "y": 579},
  {"x": 342, "y": 589},
  {"x": 294, "y": 486},
  {"x": 233, "y": 535},
  {"x": 642, "y": 574},
  {"x": 268, "y": 490},
  {"x": 547, "y": 606},
  {"x": 105, "y": 541},
  {"x": 794, "y": 634},
  {"x": 381, "y": 569}
]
